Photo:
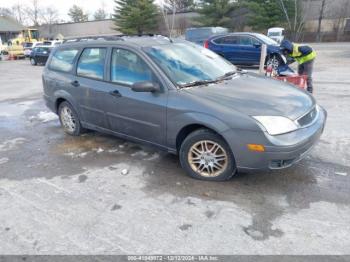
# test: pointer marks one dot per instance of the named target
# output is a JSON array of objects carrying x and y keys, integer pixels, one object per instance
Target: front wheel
[
  {"x": 274, "y": 61},
  {"x": 33, "y": 61},
  {"x": 205, "y": 155}
]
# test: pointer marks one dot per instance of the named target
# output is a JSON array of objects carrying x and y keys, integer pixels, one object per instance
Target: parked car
[
  {"x": 52, "y": 43},
  {"x": 28, "y": 47},
  {"x": 276, "y": 33},
  {"x": 200, "y": 34},
  {"x": 184, "y": 99},
  {"x": 245, "y": 48},
  {"x": 39, "y": 55}
]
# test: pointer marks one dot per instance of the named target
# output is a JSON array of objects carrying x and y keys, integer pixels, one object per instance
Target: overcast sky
[{"x": 63, "y": 6}]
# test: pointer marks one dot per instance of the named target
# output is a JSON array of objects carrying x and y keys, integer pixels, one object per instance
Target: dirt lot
[{"x": 97, "y": 194}]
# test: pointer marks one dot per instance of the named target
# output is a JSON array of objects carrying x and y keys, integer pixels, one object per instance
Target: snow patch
[
  {"x": 46, "y": 116},
  {"x": 3, "y": 160},
  {"x": 140, "y": 153},
  {"x": 11, "y": 144}
]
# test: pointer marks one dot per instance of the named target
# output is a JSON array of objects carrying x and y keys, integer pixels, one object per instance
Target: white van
[{"x": 276, "y": 33}]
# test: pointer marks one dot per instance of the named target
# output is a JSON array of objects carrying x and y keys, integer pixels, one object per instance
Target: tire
[
  {"x": 33, "y": 61},
  {"x": 69, "y": 119},
  {"x": 206, "y": 165},
  {"x": 274, "y": 60}
]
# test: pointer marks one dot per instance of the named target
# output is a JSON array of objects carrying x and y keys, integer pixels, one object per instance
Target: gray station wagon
[{"x": 182, "y": 98}]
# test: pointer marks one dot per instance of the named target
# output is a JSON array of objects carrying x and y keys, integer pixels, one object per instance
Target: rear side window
[
  {"x": 63, "y": 60},
  {"x": 128, "y": 68},
  {"x": 246, "y": 40},
  {"x": 91, "y": 63},
  {"x": 227, "y": 40}
]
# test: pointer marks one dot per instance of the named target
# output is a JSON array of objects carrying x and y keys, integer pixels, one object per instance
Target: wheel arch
[
  {"x": 190, "y": 128},
  {"x": 62, "y": 96}
]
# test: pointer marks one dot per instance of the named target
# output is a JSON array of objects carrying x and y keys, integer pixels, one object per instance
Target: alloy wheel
[
  {"x": 68, "y": 120},
  {"x": 273, "y": 62},
  {"x": 207, "y": 158}
]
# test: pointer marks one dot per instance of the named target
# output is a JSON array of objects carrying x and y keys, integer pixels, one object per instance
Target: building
[
  {"x": 335, "y": 21},
  {"x": 82, "y": 29},
  {"x": 9, "y": 28}
]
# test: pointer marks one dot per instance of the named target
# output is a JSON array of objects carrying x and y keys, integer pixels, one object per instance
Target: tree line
[
  {"x": 36, "y": 13},
  {"x": 144, "y": 16},
  {"x": 140, "y": 16}
]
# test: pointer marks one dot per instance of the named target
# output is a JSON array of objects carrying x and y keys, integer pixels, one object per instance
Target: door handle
[
  {"x": 115, "y": 93},
  {"x": 75, "y": 83}
]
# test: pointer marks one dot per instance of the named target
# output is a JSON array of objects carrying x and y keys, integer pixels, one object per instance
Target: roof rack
[
  {"x": 91, "y": 38},
  {"x": 111, "y": 37}
]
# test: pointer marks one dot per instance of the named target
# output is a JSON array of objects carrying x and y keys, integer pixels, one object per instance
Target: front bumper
[{"x": 281, "y": 151}]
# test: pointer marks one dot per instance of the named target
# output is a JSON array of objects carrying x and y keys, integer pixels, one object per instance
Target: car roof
[
  {"x": 235, "y": 33},
  {"x": 134, "y": 41}
]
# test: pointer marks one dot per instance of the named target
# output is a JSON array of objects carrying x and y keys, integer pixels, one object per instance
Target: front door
[
  {"x": 140, "y": 115},
  {"x": 250, "y": 51}
]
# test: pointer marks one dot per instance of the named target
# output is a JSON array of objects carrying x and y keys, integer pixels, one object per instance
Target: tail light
[{"x": 206, "y": 44}]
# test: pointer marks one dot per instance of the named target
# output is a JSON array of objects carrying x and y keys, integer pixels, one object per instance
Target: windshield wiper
[
  {"x": 227, "y": 75},
  {"x": 198, "y": 83}
]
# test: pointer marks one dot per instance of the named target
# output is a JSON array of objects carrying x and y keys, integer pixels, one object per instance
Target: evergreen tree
[
  {"x": 265, "y": 13},
  {"x": 100, "y": 14},
  {"x": 216, "y": 13},
  {"x": 135, "y": 16},
  {"x": 77, "y": 14}
]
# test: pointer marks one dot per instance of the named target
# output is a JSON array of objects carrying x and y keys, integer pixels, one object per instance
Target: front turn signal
[{"x": 256, "y": 147}]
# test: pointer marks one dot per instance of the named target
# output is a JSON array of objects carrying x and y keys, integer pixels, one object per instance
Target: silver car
[{"x": 184, "y": 99}]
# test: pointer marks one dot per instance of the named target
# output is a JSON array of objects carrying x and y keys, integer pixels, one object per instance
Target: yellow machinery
[
  {"x": 29, "y": 35},
  {"x": 15, "y": 45}
]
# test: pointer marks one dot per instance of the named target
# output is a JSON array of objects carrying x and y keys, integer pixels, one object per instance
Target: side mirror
[
  {"x": 257, "y": 45},
  {"x": 145, "y": 86}
]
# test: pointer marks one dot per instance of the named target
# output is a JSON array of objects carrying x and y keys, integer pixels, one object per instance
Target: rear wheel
[
  {"x": 205, "y": 155},
  {"x": 69, "y": 119},
  {"x": 33, "y": 61}
]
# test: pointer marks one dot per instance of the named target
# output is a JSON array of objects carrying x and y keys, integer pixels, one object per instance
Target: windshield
[
  {"x": 275, "y": 34},
  {"x": 266, "y": 40},
  {"x": 188, "y": 63}
]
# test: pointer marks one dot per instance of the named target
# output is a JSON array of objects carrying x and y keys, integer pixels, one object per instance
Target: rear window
[
  {"x": 91, "y": 63},
  {"x": 62, "y": 60}
]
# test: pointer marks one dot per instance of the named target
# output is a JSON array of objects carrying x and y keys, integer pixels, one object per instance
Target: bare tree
[
  {"x": 19, "y": 13},
  {"x": 320, "y": 18},
  {"x": 5, "y": 11},
  {"x": 296, "y": 19},
  {"x": 341, "y": 15},
  {"x": 34, "y": 12},
  {"x": 172, "y": 7},
  {"x": 50, "y": 15}
]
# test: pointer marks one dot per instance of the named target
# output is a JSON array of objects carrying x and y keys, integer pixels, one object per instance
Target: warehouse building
[{"x": 9, "y": 28}]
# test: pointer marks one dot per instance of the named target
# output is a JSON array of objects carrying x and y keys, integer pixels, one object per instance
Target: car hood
[{"x": 254, "y": 95}]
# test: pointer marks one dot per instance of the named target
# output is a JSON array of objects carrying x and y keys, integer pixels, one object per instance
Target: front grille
[
  {"x": 277, "y": 164},
  {"x": 308, "y": 118}
]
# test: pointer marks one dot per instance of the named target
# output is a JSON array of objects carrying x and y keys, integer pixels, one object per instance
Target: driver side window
[{"x": 128, "y": 68}]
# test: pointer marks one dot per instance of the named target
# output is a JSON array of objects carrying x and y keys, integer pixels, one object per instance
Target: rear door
[
  {"x": 227, "y": 47},
  {"x": 59, "y": 75},
  {"x": 89, "y": 85}
]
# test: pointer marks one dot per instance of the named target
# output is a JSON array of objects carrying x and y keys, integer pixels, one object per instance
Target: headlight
[{"x": 276, "y": 125}]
